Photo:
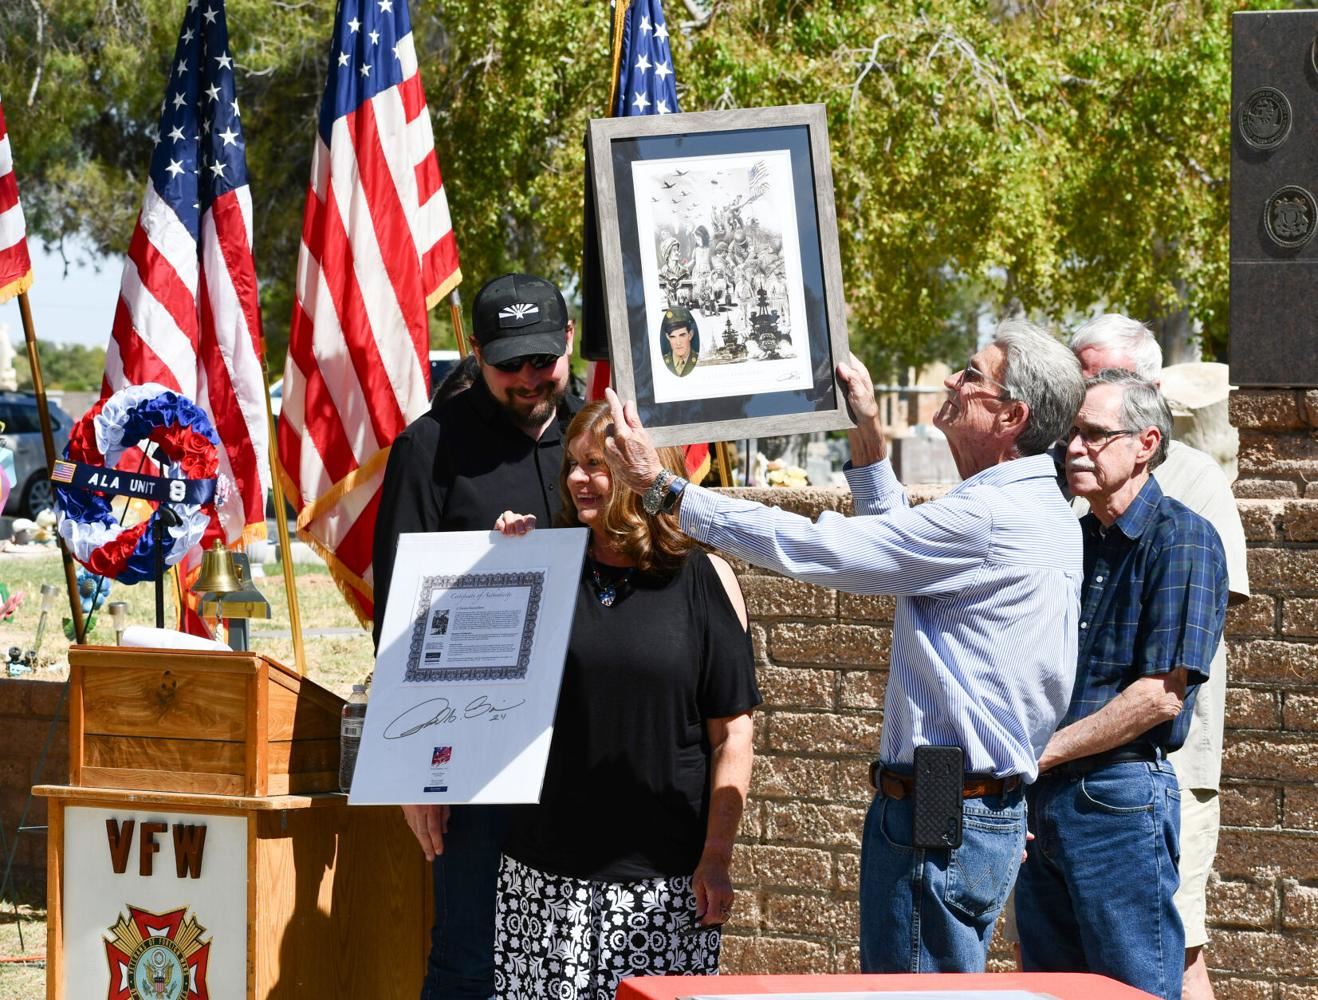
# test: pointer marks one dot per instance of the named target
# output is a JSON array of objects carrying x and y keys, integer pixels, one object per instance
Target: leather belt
[
  {"x": 900, "y": 786},
  {"x": 1120, "y": 755}
]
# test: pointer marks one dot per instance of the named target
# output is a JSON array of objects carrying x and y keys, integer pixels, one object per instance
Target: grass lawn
[
  {"x": 22, "y": 981},
  {"x": 338, "y": 649}
]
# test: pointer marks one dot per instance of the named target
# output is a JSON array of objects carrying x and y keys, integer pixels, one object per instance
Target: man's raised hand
[
  {"x": 631, "y": 456},
  {"x": 869, "y": 443}
]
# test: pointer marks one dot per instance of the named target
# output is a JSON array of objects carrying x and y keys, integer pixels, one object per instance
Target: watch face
[{"x": 653, "y": 499}]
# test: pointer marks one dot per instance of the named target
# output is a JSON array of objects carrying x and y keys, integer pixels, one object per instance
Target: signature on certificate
[{"x": 440, "y": 712}]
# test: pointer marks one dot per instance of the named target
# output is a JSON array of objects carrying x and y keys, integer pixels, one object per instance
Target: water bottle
[{"x": 350, "y": 734}]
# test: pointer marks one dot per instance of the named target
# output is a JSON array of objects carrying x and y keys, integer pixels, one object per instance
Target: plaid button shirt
[{"x": 1154, "y": 599}]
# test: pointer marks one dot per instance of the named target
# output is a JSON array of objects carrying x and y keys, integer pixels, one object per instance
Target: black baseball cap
[{"x": 519, "y": 314}]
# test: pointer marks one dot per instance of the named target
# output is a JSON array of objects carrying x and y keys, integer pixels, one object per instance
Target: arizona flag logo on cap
[{"x": 519, "y": 314}]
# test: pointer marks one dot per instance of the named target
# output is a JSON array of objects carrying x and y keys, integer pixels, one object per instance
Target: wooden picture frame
[{"x": 720, "y": 268}]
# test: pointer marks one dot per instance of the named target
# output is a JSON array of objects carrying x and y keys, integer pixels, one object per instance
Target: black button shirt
[{"x": 457, "y": 469}]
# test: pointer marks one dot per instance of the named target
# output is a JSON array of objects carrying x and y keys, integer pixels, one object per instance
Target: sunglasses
[
  {"x": 537, "y": 361},
  {"x": 974, "y": 376}
]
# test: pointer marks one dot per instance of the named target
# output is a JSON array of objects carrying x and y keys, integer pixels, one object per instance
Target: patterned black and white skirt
[{"x": 560, "y": 938}]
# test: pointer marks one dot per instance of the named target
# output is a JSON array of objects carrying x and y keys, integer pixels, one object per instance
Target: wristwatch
[
  {"x": 663, "y": 493},
  {"x": 675, "y": 487}
]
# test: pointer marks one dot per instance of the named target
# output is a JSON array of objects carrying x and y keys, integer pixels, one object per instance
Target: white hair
[
  {"x": 1131, "y": 337},
  {"x": 1044, "y": 375}
]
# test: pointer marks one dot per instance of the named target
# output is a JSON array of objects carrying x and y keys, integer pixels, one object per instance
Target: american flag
[
  {"x": 188, "y": 316},
  {"x": 643, "y": 84},
  {"x": 15, "y": 265},
  {"x": 378, "y": 251}
]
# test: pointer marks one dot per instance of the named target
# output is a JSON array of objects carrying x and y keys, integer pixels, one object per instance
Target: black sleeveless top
[{"x": 626, "y": 792}]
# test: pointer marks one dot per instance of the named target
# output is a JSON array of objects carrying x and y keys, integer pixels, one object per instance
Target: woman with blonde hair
[{"x": 622, "y": 868}]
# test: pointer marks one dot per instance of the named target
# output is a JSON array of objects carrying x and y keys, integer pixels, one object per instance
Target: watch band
[
  {"x": 653, "y": 500},
  {"x": 672, "y": 495}
]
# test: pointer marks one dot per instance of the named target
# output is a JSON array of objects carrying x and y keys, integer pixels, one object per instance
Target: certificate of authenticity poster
[{"x": 469, "y": 665}]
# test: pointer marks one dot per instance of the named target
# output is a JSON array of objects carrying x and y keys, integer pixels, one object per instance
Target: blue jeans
[
  {"x": 461, "y": 962},
  {"x": 1096, "y": 892},
  {"x": 933, "y": 909}
]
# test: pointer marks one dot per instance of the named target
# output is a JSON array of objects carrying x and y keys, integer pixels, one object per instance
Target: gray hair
[
  {"x": 1045, "y": 376},
  {"x": 1133, "y": 338},
  {"x": 1142, "y": 405}
]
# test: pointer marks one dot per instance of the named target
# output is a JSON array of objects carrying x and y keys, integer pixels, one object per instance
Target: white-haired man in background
[{"x": 1193, "y": 478}]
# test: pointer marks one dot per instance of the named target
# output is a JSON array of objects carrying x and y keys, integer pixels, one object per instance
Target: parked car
[
  {"x": 441, "y": 363},
  {"x": 33, "y": 491}
]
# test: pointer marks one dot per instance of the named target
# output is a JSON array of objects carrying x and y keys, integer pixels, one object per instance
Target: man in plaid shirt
[{"x": 1096, "y": 893}]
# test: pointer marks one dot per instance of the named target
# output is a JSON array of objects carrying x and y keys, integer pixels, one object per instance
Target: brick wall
[
  {"x": 26, "y": 709},
  {"x": 1263, "y": 899},
  {"x": 822, "y": 660}
]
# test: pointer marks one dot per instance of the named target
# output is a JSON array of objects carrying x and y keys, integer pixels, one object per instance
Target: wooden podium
[{"x": 200, "y": 849}]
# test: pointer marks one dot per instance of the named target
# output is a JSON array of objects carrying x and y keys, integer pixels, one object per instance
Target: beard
[{"x": 533, "y": 413}]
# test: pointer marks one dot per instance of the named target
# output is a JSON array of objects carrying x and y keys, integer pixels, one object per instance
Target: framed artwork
[{"x": 721, "y": 276}]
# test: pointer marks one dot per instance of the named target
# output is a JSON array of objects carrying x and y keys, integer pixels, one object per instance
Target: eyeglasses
[
  {"x": 1095, "y": 437},
  {"x": 974, "y": 376},
  {"x": 537, "y": 361}
]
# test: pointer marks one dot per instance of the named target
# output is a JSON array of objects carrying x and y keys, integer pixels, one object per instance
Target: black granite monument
[{"x": 1274, "y": 209}]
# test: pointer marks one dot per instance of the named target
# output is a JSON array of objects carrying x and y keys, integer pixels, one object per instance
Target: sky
[{"x": 73, "y": 309}]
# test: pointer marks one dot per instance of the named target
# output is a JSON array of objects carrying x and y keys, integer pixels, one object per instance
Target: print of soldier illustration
[{"x": 720, "y": 265}]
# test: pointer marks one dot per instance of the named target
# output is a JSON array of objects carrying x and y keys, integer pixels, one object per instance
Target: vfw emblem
[{"x": 157, "y": 956}]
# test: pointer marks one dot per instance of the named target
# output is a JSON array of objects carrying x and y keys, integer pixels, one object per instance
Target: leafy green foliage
[
  {"x": 73, "y": 367},
  {"x": 986, "y": 155},
  {"x": 88, "y": 626}
]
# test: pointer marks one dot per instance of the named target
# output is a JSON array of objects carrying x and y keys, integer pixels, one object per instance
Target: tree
[
  {"x": 1049, "y": 155},
  {"x": 72, "y": 367}
]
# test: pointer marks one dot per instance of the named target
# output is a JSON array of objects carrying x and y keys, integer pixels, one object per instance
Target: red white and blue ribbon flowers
[{"x": 186, "y": 445}]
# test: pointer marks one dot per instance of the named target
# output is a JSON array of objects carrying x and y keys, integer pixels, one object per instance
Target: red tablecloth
[{"x": 1063, "y": 986}]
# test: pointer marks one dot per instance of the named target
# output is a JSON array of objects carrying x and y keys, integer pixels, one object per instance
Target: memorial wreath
[{"x": 184, "y": 497}]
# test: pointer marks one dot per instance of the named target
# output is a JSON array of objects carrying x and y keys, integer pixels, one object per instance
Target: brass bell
[{"x": 218, "y": 573}]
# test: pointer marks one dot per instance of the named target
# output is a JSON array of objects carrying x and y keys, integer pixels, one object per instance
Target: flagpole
[
  {"x": 48, "y": 439},
  {"x": 724, "y": 465},
  {"x": 455, "y": 314},
  {"x": 281, "y": 526}
]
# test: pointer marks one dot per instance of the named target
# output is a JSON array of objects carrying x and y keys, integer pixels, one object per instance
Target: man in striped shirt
[{"x": 984, "y": 637}]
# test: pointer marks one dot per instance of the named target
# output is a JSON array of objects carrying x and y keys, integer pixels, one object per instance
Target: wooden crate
[{"x": 198, "y": 722}]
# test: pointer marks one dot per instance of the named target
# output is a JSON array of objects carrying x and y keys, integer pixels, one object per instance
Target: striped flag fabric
[
  {"x": 188, "y": 316},
  {"x": 643, "y": 84},
  {"x": 378, "y": 251},
  {"x": 15, "y": 264}
]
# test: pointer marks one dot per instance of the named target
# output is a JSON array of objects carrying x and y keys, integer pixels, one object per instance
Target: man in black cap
[{"x": 495, "y": 446}]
